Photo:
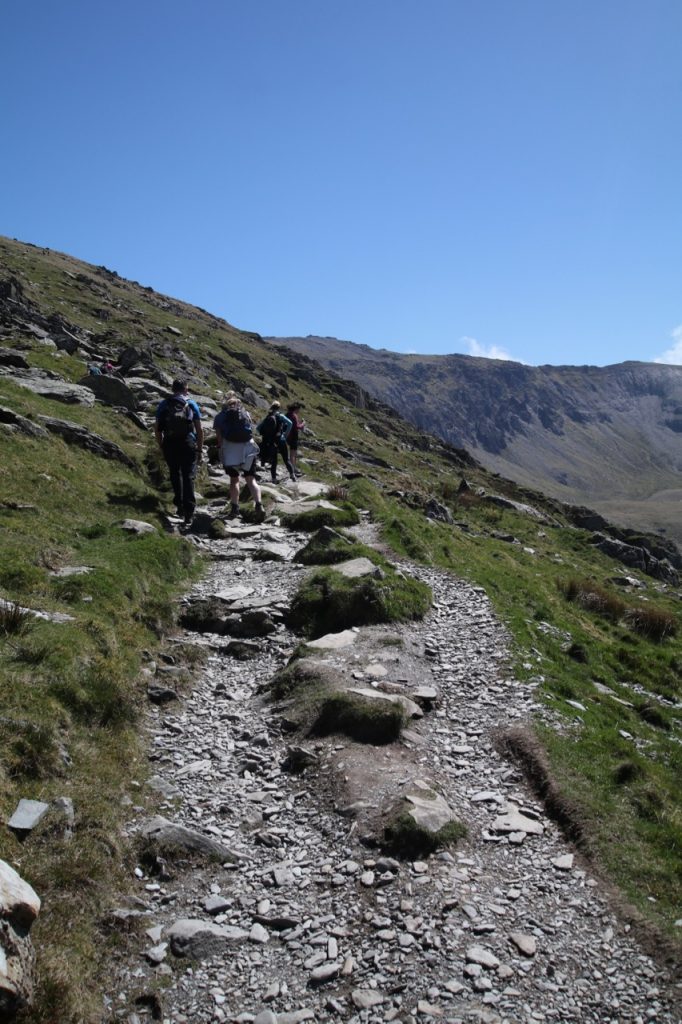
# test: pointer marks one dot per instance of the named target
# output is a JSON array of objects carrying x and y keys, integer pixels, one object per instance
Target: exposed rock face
[
  {"x": 566, "y": 430},
  {"x": 74, "y": 433},
  {"x": 49, "y": 385},
  {"x": 636, "y": 557},
  {"x": 19, "y": 907},
  {"x": 13, "y": 420}
]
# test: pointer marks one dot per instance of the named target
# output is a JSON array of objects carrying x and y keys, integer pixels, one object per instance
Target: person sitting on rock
[
  {"x": 297, "y": 427},
  {"x": 238, "y": 451},
  {"x": 180, "y": 437},
  {"x": 274, "y": 430}
]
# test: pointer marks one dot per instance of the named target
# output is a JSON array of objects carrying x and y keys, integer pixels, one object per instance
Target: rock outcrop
[{"x": 19, "y": 907}]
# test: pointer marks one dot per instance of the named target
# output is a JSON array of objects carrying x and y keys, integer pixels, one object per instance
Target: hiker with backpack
[
  {"x": 297, "y": 426},
  {"x": 274, "y": 430},
  {"x": 238, "y": 451},
  {"x": 180, "y": 437}
]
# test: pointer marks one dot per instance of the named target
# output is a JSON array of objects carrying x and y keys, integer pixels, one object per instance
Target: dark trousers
[
  {"x": 182, "y": 463},
  {"x": 281, "y": 448}
]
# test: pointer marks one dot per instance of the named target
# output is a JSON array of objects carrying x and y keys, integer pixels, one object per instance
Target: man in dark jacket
[{"x": 180, "y": 437}]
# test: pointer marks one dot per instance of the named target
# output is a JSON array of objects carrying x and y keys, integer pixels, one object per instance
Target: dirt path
[{"x": 309, "y": 922}]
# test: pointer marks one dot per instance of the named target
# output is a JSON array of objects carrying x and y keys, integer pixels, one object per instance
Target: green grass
[{"x": 70, "y": 692}]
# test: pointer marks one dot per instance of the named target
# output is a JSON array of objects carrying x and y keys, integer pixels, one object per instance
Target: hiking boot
[
  {"x": 260, "y": 512},
  {"x": 187, "y": 522},
  {"x": 234, "y": 512},
  {"x": 299, "y": 472}
]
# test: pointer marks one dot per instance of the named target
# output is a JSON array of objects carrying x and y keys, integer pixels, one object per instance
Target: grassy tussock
[
  {"x": 328, "y": 602},
  {"x": 653, "y": 623},
  {"x": 593, "y": 598}
]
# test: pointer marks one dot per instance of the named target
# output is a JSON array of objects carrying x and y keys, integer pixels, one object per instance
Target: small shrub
[
  {"x": 337, "y": 493},
  {"x": 592, "y": 597},
  {"x": 14, "y": 621},
  {"x": 653, "y": 623},
  {"x": 627, "y": 772},
  {"x": 650, "y": 713},
  {"x": 577, "y": 652},
  {"x": 31, "y": 749}
]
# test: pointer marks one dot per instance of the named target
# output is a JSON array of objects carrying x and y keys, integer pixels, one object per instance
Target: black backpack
[
  {"x": 235, "y": 425},
  {"x": 271, "y": 428},
  {"x": 178, "y": 420}
]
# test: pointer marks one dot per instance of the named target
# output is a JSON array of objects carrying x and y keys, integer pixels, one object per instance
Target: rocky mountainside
[
  {"x": 609, "y": 437},
  {"x": 361, "y": 758}
]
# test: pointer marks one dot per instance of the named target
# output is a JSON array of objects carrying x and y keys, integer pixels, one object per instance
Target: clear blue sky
[{"x": 432, "y": 176}]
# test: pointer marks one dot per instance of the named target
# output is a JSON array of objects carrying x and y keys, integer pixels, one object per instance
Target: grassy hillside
[{"x": 71, "y": 692}]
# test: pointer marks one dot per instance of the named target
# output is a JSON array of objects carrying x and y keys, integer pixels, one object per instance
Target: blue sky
[{"x": 500, "y": 177}]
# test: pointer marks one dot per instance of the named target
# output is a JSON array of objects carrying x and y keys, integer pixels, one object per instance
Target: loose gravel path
[{"x": 314, "y": 925}]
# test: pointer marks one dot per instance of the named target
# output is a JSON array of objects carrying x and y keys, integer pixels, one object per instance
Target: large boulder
[
  {"x": 19, "y": 907},
  {"x": 110, "y": 390}
]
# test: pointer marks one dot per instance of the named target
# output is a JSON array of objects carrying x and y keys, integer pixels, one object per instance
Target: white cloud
[
  {"x": 491, "y": 352},
  {"x": 674, "y": 353}
]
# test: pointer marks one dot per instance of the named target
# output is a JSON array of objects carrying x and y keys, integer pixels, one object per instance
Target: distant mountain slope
[{"x": 610, "y": 436}]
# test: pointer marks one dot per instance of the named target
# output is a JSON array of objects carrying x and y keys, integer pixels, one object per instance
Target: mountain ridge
[{"x": 605, "y": 436}]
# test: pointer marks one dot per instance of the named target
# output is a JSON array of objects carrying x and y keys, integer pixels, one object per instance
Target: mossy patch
[
  {"x": 367, "y": 721},
  {"x": 345, "y": 514},
  {"x": 329, "y": 602},
  {"x": 318, "y": 705},
  {"x": 404, "y": 838}
]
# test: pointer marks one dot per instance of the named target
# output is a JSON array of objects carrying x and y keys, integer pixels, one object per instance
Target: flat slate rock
[
  {"x": 200, "y": 939},
  {"x": 170, "y": 838},
  {"x": 354, "y": 568},
  {"x": 137, "y": 526},
  {"x": 334, "y": 641},
  {"x": 428, "y": 808},
  {"x": 27, "y": 815},
  {"x": 512, "y": 820},
  {"x": 411, "y": 709}
]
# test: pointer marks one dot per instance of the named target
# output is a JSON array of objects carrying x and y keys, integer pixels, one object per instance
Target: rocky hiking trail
[{"x": 264, "y": 892}]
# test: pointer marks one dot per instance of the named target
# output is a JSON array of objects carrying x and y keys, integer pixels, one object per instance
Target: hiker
[
  {"x": 297, "y": 426},
  {"x": 274, "y": 430},
  {"x": 108, "y": 367},
  {"x": 94, "y": 370},
  {"x": 238, "y": 451},
  {"x": 180, "y": 437}
]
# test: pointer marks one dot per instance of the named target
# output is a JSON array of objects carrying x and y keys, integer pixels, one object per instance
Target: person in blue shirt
[{"x": 180, "y": 437}]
